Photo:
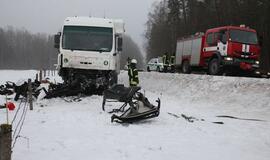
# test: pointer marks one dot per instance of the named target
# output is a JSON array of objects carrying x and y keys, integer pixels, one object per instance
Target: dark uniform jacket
[
  {"x": 133, "y": 76},
  {"x": 166, "y": 60}
]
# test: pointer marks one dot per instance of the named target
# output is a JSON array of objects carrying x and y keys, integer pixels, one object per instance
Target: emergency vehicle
[{"x": 219, "y": 48}]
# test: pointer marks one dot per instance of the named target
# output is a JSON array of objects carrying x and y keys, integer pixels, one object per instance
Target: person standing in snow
[
  {"x": 133, "y": 73},
  {"x": 166, "y": 61}
]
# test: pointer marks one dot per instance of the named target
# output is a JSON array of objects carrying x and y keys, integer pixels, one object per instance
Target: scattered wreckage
[
  {"x": 135, "y": 105},
  {"x": 46, "y": 89},
  {"x": 139, "y": 106}
]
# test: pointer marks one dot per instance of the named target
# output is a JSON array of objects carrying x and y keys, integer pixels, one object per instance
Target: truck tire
[
  {"x": 214, "y": 67},
  {"x": 113, "y": 78},
  {"x": 172, "y": 69},
  {"x": 186, "y": 67}
]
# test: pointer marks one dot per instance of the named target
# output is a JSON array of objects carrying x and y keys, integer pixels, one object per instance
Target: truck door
[
  {"x": 210, "y": 45},
  {"x": 222, "y": 42}
]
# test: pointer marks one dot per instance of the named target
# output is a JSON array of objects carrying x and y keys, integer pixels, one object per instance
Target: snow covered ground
[{"x": 57, "y": 129}]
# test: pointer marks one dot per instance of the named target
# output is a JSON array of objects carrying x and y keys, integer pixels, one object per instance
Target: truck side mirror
[
  {"x": 57, "y": 40},
  {"x": 119, "y": 44}
]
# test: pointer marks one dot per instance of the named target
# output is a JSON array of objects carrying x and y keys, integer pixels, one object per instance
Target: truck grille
[
  {"x": 244, "y": 55},
  {"x": 245, "y": 60}
]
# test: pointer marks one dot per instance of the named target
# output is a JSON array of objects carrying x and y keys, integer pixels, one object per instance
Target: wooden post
[
  {"x": 5, "y": 141},
  {"x": 30, "y": 98},
  {"x": 44, "y": 73},
  {"x": 37, "y": 77},
  {"x": 40, "y": 75},
  {"x": 7, "y": 110}
]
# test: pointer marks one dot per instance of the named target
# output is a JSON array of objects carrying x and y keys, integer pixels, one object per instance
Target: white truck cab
[{"x": 89, "y": 50}]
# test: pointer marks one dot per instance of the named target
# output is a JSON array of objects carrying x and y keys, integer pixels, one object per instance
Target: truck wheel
[
  {"x": 172, "y": 69},
  {"x": 214, "y": 67},
  {"x": 186, "y": 67},
  {"x": 113, "y": 78},
  {"x": 148, "y": 69}
]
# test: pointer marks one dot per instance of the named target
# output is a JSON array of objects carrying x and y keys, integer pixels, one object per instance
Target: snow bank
[
  {"x": 81, "y": 130},
  {"x": 250, "y": 94}
]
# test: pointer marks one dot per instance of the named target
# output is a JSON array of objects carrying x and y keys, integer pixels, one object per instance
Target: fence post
[
  {"x": 40, "y": 75},
  {"x": 37, "y": 77},
  {"x": 30, "y": 98},
  {"x": 5, "y": 141},
  {"x": 44, "y": 73}
]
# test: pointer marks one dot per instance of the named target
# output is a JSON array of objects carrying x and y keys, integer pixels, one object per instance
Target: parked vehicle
[
  {"x": 89, "y": 50},
  {"x": 218, "y": 49},
  {"x": 155, "y": 64}
]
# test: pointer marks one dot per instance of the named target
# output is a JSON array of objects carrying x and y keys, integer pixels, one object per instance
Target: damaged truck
[{"x": 89, "y": 51}]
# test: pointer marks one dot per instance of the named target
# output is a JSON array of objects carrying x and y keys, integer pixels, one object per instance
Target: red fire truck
[{"x": 219, "y": 48}]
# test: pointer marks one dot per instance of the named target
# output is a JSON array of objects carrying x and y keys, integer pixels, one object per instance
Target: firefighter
[
  {"x": 133, "y": 73},
  {"x": 166, "y": 61},
  {"x": 172, "y": 62},
  {"x": 172, "y": 59}
]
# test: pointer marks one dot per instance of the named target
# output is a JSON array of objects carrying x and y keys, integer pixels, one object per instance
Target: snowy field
[{"x": 60, "y": 130}]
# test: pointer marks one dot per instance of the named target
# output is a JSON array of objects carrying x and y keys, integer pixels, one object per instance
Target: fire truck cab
[{"x": 231, "y": 46}]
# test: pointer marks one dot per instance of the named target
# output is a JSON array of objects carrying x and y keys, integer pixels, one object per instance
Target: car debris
[{"x": 139, "y": 106}]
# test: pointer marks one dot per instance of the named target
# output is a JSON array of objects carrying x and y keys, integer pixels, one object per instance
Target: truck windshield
[
  {"x": 87, "y": 38},
  {"x": 243, "y": 37}
]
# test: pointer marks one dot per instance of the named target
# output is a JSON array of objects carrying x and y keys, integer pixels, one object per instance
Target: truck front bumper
[{"x": 244, "y": 64}]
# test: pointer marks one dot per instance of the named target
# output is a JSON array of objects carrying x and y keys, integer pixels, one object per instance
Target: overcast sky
[{"x": 47, "y": 16}]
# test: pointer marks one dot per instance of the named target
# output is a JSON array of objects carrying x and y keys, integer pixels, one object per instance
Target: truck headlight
[
  {"x": 257, "y": 62},
  {"x": 228, "y": 58},
  {"x": 65, "y": 60},
  {"x": 268, "y": 73},
  {"x": 105, "y": 63}
]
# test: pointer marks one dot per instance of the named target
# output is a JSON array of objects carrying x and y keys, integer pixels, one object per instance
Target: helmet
[{"x": 134, "y": 61}]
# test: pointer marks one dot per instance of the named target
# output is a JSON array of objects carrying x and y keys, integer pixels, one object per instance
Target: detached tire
[
  {"x": 186, "y": 67},
  {"x": 214, "y": 67}
]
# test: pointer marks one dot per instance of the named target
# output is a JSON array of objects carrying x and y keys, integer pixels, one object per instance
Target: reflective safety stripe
[
  {"x": 131, "y": 73},
  {"x": 133, "y": 82}
]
